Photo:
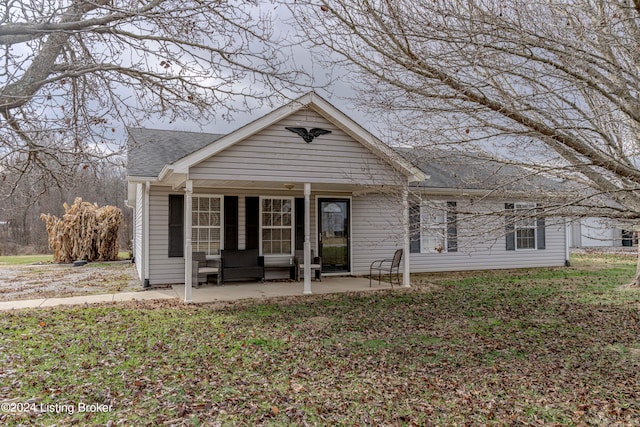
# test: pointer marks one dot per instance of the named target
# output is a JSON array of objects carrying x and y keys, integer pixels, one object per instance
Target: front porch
[
  {"x": 253, "y": 290},
  {"x": 281, "y": 221}
]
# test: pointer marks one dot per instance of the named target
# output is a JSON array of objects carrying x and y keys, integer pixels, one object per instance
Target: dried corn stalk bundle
[{"x": 85, "y": 232}]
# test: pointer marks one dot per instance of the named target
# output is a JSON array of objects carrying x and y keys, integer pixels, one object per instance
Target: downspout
[{"x": 145, "y": 244}]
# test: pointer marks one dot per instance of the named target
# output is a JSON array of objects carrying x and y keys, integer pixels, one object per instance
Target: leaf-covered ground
[{"x": 526, "y": 347}]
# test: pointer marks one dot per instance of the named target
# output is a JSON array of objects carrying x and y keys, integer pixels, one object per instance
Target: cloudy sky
[{"x": 333, "y": 85}]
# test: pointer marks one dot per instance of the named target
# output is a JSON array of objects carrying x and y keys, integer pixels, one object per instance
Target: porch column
[
  {"x": 145, "y": 233},
  {"x": 188, "y": 266},
  {"x": 307, "y": 239},
  {"x": 406, "y": 235}
]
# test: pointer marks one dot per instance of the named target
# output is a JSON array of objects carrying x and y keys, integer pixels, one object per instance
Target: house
[
  {"x": 594, "y": 232},
  {"x": 307, "y": 177}
]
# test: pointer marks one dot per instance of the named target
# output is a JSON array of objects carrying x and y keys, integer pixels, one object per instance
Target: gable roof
[
  {"x": 155, "y": 153},
  {"x": 150, "y": 150},
  {"x": 316, "y": 103}
]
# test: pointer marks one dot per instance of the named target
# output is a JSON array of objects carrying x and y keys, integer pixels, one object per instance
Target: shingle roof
[
  {"x": 473, "y": 171},
  {"x": 149, "y": 150}
]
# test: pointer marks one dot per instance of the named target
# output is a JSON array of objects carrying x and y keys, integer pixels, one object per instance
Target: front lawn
[
  {"x": 521, "y": 347},
  {"x": 25, "y": 259},
  {"x": 7, "y": 260}
]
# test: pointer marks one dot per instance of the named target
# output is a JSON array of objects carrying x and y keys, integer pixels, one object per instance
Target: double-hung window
[
  {"x": 276, "y": 225},
  {"x": 525, "y": 228},
  {"x": 525, "y": 225},
  {"x": 433, "y": 227},
  {"x": 206, "y": 224},
  {"x": 433, "y": 220}
]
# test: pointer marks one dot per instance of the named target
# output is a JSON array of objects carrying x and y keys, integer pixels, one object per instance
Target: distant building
[{"x": 592, "y": 232}]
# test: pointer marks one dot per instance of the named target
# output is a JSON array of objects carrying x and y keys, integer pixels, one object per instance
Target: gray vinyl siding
[
  {"x": 377, "y": 233},
  {"x": 276, "y": 154},
  {"x": 481, "y": 245},
  {"x": 376, "y": 230},
  {"x": 138, "y": 230},
  {"x": 162, "y": 268}
]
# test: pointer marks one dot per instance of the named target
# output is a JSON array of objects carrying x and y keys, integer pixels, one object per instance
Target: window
[
  {"x": 433, "y": 227},
  {"x": 276, "y": 226},
  {"x": 433, "y": 219},
  {"x": 525, "y": 226},
  {"x": 206, "y": 224},
  {"x": 524, "y": 229}
]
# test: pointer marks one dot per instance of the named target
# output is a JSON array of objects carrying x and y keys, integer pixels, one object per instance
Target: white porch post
[
  {"x": 307, "y": 239},
  {"x": 406, "y": 234},
  {"x": 188, "y": 266},
  {"x": 145, "y": 245}
]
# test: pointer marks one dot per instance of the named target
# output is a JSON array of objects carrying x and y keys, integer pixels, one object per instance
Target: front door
[{"x": 333, "y": 235}]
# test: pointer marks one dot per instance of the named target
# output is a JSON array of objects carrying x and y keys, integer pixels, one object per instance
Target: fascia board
[
  {"x": 140, "y": 179},
  {"x": 166, "y": 171},
  {"x": 462, "y": 192}
]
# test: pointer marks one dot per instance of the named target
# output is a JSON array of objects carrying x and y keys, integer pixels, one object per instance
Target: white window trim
[
  {"x": 210, "y": 196},
  {"x": 291, "y": 227},
  {"x": 441, "y": 207},
  {"x": 525, "y": 206}
]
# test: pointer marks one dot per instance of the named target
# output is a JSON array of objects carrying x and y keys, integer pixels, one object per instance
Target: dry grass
[{"x": 85, "y": 232}]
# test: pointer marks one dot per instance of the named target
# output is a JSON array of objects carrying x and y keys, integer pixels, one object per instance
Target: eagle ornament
[{"x": 308, "y": 135}]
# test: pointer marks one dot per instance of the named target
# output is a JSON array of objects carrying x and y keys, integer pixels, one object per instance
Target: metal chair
[{"x": 387, "y": 266}]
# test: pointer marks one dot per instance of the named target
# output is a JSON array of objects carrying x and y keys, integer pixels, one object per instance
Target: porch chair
[
  {"x": 202, "y": 268},
  {"x": 387, "y": 266},
  {"x": 316, "y": 265}
]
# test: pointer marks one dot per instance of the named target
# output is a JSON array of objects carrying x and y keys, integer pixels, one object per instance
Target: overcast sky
[{"x": 338, "y": 92}]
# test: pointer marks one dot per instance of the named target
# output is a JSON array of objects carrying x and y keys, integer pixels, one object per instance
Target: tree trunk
[{"x": 636, "y": 280}]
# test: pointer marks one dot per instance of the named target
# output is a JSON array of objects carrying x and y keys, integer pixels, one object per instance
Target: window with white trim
[
  {"x": 206, "y": 224},
  {"x": 525, "y": 225},
  {"x": 276, "y": 226},
  {"x": 433, "y": 227}
]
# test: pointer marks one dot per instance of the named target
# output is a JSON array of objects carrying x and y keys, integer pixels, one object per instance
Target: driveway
[{"x": 18, "y": 282}]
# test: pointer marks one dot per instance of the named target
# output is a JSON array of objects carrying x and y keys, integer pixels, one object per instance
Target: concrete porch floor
[
  {"x": 254, "y": 290},
  {"x": 211, "y": 293}
]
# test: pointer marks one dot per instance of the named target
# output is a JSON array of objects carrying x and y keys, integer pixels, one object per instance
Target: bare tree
[
  {"x": 21, "y": 229},
  {"x": 74, "y": 71},
  {"x": 547, "y": 84}
]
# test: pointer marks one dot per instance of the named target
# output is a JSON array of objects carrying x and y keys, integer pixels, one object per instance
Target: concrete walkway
[
  {"x": 209, "y": 293},
  {"x": 166, "y": 293}
]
